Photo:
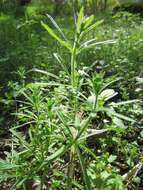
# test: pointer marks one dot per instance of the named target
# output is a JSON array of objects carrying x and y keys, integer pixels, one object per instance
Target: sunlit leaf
[
  {"x": 90, "y": 28},
  {"x": 88, "y": 21},
  {"x": 112, "y": 158},
  {"x": 56, "y": 26},
  {"x": 80, "y": 19},
  {"x": 107, "y": 94},
  {"x": 114, "y": 104},
  {"x": 51, "y": 32},
  {"x": 46, "y": 73}
]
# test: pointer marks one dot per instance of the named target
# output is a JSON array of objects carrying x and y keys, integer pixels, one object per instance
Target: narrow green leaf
[
  {"x": 51, "y": 32},
  {"x": 62, "y": 119},
  {"x": 56, "y": 26},
  {"x": 88, "y": 21},
  {"x": 90, "y": 151},
  {"x": 7, "y": 175},
  {"x": 133, "y": 172},
  {"x": 88, "y": 42},
  {"x": 95, "y": 133},
  {"x": 90, "y": 28},
  {"x": 18, "y": 183},
  {"x": 92, "y": 45},
  {"x": 111, "y": 112},
  {"x": 21, "y": 139},
  {"x": 61, "y": 62},
  {"x": 114, "y": 104},
  {"x": 44, "y": 84},
  {"x": 57, "y": 154},
  {"x": 84, "y": 125},
  {"x": 110, "y": 83},
  {"x": 83, "y": 168},
  {"x": 93, "y": 26},
  {"x": 46, "y": 73},
  {"x": 80, "y": 19},
  {"x": 4, "y": 165}
]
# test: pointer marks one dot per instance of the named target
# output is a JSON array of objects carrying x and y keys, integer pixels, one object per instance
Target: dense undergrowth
[{"x": 71, "y": 110}]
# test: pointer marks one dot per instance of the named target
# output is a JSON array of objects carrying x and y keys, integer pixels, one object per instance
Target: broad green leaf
[
  {"x": 104, "y": 175},
  {"x": 112, "y": 158},
  {"x": 141, "y": 134},
  {"x": 51, "y": 32},
  {"x": 107, "y": 94},
  {"x": 77, "y": 121}
]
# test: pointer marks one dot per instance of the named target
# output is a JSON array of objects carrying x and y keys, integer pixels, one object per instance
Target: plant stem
[
  {"x": 95, "y": 102},
  {"x": 73, "y": 64},
  {"x": 70, "y": 172},
  {"x": 83, "y": 168}
]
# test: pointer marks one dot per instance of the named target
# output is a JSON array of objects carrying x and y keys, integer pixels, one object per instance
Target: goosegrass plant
[
  {"x": 83, "y": 26},
  {"x": 55, "y": 120}
]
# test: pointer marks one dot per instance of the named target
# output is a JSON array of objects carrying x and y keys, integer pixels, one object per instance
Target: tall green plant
[
  {"x": 61, "y": 121},
  {"x": 83, "y": 26}
]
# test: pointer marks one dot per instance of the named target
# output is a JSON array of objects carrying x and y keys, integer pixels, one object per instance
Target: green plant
[
  {"x": 55, "y": 120},
  {"x": 82, "y": 28}
]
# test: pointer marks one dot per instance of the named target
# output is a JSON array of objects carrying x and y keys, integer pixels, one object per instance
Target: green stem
[
  {"x": 95, "y": 102},
  {"x": 73, "y": 64},
  {"x": 83, "y": 168},
  {"x": 42, "y": 182},
  {"x": 74, "y": 76},
  {"x": 70, "y": 172}
]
